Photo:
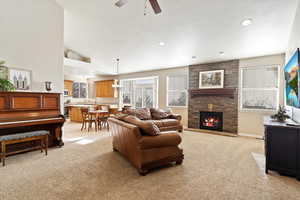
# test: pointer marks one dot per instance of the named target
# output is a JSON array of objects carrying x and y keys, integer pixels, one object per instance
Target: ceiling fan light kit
[
  {"x": 154, "y": 4},
  {"x": 121, "y": 3}
]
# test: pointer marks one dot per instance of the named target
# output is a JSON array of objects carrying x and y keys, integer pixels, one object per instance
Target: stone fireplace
[
  {"x": 224, "y": 100},
  {"x": 211, "y": 120}
]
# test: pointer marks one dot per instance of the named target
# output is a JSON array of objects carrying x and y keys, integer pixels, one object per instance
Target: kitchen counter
[
  {"x": 75, "y": 110},
  {"x": 80, "y": 105}
]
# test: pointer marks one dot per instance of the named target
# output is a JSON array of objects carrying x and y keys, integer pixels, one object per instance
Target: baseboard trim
[
  {"x": 259, "y": 137},
  {"x": 211, "y": 132}
]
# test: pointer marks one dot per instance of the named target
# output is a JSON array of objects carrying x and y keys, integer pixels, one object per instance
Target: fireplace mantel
[{"x": 225, "y": 92}]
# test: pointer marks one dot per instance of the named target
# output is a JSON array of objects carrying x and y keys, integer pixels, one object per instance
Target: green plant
[
  {"x": 281, "y": 115},
  {"x": 2, "y": 62},
  {"x": 3, "y": 70},
  {"x": 6, "y": 85}
]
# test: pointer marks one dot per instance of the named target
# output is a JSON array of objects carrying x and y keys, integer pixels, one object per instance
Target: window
[
  {"x": 177, "y": 90},
  {"x": 79, "y": 90},
  {"x": 260, "y": 88},
  {"x": 139, "y": 93}
]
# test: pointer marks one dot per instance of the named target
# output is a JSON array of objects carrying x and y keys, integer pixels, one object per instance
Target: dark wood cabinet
[{"x": 282, "y": 148}]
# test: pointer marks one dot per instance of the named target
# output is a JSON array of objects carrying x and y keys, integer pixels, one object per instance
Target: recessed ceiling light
[
  {"x": 194, "y": 57},
  {"x": 247, "y": 22},
  {"x": 162, "y": 44},
  {"x": 221, "y": 53}
]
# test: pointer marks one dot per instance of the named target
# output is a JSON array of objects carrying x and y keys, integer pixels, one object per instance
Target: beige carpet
[{"x": 215, "y": 167}]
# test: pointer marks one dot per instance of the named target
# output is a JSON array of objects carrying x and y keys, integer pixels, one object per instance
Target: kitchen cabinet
[
  {"x": 105, "y": 89},
  {"x": 68, "y": 85}
]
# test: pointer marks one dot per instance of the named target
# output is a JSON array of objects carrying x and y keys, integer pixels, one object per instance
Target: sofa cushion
[
  {"x": 165, "y": 122},
  {"x": 146, "y": 127},
  {"x": 162, "y": 140},
  {"x": 158, "y": 114},
  {"x": 120, "y": 116},
  {"x": 20, "y": 136},
  {"x": 141, "y": 113}
]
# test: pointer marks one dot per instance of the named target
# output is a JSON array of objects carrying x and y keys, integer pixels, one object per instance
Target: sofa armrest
[
  {"x": 162, "y": 140},
  {"x": 175, "y": 116}
]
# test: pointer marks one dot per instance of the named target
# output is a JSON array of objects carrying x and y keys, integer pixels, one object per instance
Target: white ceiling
[{"x": 202, "y": 28}]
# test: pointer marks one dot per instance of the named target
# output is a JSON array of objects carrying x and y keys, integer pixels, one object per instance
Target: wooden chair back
[
  {"x": 103, "y": 107},
  {"x": 85, "y": 114}
]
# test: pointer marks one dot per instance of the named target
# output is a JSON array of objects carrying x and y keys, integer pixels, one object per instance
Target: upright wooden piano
[{"x": 29, "y": 111}]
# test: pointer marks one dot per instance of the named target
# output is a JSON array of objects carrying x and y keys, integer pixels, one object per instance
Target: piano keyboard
[{"x": 28, "y": 121}]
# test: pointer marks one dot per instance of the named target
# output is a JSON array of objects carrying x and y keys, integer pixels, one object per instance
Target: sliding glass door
[{"x": 139, "y": 93}]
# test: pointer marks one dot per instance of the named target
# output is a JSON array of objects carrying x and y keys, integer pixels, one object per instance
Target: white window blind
[
  {"x": 177, "y": 86},
  {"x": 260, "y": 88}
]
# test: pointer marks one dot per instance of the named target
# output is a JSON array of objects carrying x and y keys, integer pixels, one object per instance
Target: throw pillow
[
  {"x": 141, "y": 113},
  {"x": 146, "y": 127},
  {"x": 159, "y": 114}
]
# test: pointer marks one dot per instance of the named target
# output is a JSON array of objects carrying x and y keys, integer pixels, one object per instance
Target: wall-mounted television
[{"x": 291, "y": 72}]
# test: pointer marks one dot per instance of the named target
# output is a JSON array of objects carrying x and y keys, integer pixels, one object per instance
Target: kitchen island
[{"x": 75, "y": 110}]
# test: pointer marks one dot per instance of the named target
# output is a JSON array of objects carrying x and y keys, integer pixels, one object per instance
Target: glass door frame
[{"x": 142, "y": 78}]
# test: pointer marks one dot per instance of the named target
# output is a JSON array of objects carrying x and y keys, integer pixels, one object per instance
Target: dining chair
[
  {"x": 103, "y": 119},
  {"x": 88, "y": 119}
]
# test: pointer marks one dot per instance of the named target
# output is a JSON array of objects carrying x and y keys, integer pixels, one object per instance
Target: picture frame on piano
[{"x": 20, "y": 78}]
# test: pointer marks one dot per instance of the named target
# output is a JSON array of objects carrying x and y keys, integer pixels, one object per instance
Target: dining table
[
  {"x": 99, "y": 115},
  {"x": 98, "y": 112}
]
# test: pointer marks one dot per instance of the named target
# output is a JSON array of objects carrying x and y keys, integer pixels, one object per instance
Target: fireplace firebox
[{"x": 211, "y": 121}]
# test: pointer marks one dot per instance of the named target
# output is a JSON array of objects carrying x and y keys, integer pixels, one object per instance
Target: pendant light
[{"x": 116, "y": 85}]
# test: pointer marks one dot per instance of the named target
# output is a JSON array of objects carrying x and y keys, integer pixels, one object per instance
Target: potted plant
[
  {"x": 5, "y": 85},
  {"x": 281, "y": 115}
]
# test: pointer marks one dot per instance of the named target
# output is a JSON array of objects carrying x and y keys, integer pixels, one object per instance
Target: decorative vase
[{"x": 48, "y": 86}]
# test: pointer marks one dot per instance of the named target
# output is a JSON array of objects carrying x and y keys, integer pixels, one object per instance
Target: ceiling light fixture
[
  {"x": 162, "y": 44},
  {"x": 194, "y": 57},
  {"x": 116, "y": 85},
  {"x": 247, "y": 22},
  {"x": 221, "y": 53}
]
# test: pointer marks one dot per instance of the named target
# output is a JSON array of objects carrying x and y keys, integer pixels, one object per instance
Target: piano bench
[{"x": 42, "y": 136}]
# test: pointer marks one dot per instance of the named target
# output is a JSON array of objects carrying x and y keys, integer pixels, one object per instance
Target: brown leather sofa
[
  {"x": 165, "y": 120},
  {"x": 143, "y": 151}
]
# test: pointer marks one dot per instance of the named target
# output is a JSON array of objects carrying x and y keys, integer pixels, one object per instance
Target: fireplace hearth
[{"x": 211, "y": 120}]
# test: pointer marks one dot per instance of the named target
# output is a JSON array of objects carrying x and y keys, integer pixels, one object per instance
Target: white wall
[
  {"x": 251, "y": 122},
  {"x": 294, "y": 39},
  {"x": 294, "y": 43},
  {"x": 31, "y": 37}
]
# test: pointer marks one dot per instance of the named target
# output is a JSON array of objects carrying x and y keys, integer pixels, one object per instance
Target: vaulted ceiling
[{"x": 201, "y": 28}]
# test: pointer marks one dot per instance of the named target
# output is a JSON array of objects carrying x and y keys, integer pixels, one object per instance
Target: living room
[{"x": 149, "y": 99}]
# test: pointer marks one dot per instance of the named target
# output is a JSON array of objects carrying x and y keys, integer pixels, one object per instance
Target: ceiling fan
[{"x": 154, "y": 4}]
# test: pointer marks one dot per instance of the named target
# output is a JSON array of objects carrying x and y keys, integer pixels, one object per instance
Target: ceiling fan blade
[
  {"x": 121, "y": 3},
  {"x": 155, "y": 6}
]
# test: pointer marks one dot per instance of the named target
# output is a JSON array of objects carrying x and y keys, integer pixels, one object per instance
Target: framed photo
[
  {"x": 211, "y": 79},
  {"x": 20, "y": 78}
]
